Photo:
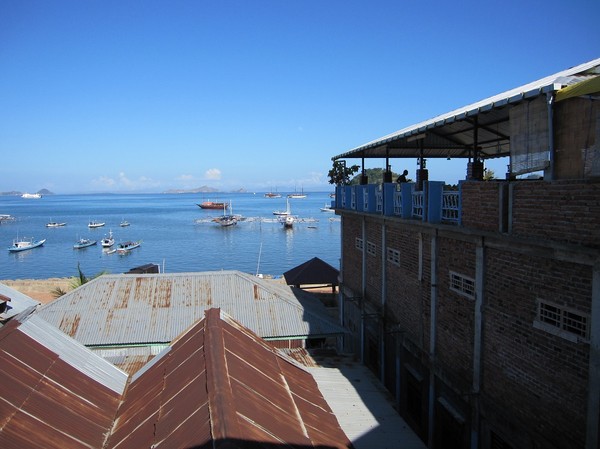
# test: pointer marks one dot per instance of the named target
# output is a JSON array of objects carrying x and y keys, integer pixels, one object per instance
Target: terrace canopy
[{"x": 478, "y": 131}]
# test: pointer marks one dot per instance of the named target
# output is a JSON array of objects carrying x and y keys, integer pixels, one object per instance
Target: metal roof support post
[
  {"x": 363, "y": 176},
  {"x": 550, "y": 103}
]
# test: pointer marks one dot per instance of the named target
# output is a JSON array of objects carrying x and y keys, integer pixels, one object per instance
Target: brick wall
[
  {"x": 455, "y": 312},
  {"x": 564, "y": 211},
  {"x": 352, "y": 262},
  {"x": 374, "y": 268},
  {"x": 537, "y": 378},
  {"x": 407, "y": 302},
  {"x": 480, "y": 204}
]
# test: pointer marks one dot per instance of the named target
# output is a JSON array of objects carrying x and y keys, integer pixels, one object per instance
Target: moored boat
[
  {"x": 84, "y": 243},
  {"x": 125, "y": 247},
  {"x": 284, "y": 212},
  {"x": 327, "y": 208},
  {"x": 108, "y": 240},
  {"x": 54, "y": 224},
  {"x": 272, "y": 195},
  {"x": 287, "y": 221},
  {"x": 297, "y": 195},
  {"x": 95, "y": 224},
  {"x": 124, "y": 223},
  {"x": 212, "y": 205},
  {"x": 22, "y": 244}
]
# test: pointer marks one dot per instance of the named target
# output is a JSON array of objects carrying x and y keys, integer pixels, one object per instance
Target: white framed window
[
  {"x": 462, "y": 285},
  {"x": 393, "y": 256},
  {"x": 371, "y": 248},
  {"x": 562, "y": 321},
  {"x": 358, "y": 243}
]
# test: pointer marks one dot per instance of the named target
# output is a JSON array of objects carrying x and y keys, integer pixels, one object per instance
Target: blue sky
[{"x": 146, "y": 96}]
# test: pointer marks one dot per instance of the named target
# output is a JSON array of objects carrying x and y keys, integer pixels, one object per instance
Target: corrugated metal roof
[
  {"x": 155, "y": 308},
  {"x": 220, "y": 382},
  {"x": 452, "y": 134},
  {"x": 56, "y": 393},
  {"x": 17, "y": 304},
  {"x": 217, "y": 382}
]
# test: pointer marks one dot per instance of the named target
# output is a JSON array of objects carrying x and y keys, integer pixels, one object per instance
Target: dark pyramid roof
[{"x": 314, "y": 271}]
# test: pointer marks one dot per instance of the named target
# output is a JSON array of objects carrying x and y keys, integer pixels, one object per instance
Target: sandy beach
[{"x": 39, "y": 289}]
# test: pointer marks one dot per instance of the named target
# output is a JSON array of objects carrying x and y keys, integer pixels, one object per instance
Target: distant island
[
  {"x": 42, "y": 192},
  {"x": 203, "y": 189}
]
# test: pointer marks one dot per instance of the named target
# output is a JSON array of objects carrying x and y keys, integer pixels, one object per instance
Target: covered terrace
[{"x": 518, "y": 125}]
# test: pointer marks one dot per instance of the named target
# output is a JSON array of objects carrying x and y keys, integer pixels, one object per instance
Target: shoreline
[{"x": 39, "y": 289}]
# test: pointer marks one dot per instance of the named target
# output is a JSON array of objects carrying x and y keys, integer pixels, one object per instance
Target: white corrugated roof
[{"x": 17, "y": 304}]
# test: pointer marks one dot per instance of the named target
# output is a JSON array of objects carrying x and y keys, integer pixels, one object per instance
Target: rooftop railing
[{"x": 432, "y": 204}]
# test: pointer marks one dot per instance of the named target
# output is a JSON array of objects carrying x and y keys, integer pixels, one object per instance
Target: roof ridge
[{"x": 223, "y": 418}]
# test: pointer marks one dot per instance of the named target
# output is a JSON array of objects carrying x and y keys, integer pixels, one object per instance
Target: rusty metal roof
[
  {"x": 155, "y": 308},
  {"x": 217, "y": 382},
  {"x": 56, "y": 393}
]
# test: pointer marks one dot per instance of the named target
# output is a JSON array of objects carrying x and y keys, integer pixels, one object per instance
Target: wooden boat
[
  {"x": 125, "y": 247},
  {"x": 297, "y": 195},
  {"x": 227, "y": 219},
  {"x": 54, "y": 224},
  {"x": 84, "y": 243},
  {"x": 212, "y": 205},
  {"x": 272, "y": 195},
  {"x": 95, "y": 224},
  {"x": 23, "y": 244},
  {"x": 108, "y": 240}
]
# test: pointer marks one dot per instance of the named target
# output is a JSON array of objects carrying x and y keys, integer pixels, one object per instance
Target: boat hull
[
  {"x": 213, "y": 205},
  {"x": 25, "y": 245},
  {"x": 84, "y": 243}
]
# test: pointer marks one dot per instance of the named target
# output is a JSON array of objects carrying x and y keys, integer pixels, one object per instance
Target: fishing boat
[
  {"x": 95, "y": 224},
  {"x": 212, "y": 205},
  {"x": 54, "y": 224},
  {"x": 23, "y": 244},
  {"x": 84, "y": 243},
  {"x": 108, "y": 240},
  {"x": 125, "y": 247},
  {"x": 227, "y": 219}
]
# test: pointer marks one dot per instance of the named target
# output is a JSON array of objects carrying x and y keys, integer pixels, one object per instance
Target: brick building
[{"x": 479, "y": 308}]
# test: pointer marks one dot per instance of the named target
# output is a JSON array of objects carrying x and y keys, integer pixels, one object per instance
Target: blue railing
[{"x": 432, "y": 204}]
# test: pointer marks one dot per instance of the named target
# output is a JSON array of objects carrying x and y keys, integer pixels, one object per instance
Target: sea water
[{"x": 175, "y": 232}]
